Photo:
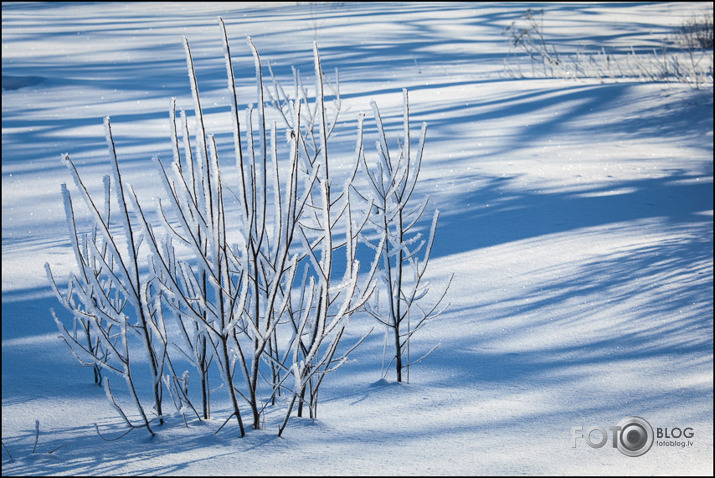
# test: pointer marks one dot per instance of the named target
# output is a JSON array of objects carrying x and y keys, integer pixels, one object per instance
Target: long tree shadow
[
  {"x": 79, "y": 450},
  {"x": 497, "y": 215}
]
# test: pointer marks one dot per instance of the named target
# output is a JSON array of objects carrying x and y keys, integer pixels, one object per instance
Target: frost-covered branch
[
  {"x": 109, "y": 297},
  {"x": 392, "y": 183}
]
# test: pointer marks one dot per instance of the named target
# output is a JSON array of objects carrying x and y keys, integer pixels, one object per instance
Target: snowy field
[{"x": 576, "y": 215}]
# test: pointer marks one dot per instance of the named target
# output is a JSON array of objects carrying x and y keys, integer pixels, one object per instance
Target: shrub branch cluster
[{"x": 255, "y": 281}]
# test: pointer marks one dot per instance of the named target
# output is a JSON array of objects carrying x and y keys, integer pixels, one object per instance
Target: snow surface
[{"x": 576, "y": 216}]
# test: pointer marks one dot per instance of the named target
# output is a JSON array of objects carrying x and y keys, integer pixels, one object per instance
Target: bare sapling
[
  {"x": 404, "y": 254},
  {"x": 110, "y": 295},
  {"x": 235, "y": 283},
  {"x": 325, "y": 304},
  {"x": 206, "y": 292}
]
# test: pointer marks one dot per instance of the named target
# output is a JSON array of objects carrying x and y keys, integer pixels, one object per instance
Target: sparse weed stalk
[
  {"x": 684, "y": 58},
  {"x": 527, "y": 35},
  {"x": 34, "y": 446},
  {"x": 696, "y": 32}
]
